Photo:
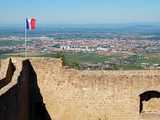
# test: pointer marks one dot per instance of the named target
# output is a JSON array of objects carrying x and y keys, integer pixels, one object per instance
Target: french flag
[{"x": 30, "y": 24}]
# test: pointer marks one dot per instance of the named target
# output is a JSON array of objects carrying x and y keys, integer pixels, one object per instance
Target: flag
[{"x": 30, "y": 24}]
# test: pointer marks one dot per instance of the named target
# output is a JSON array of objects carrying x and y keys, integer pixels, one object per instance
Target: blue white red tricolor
[{"x": 30, "y": 24}]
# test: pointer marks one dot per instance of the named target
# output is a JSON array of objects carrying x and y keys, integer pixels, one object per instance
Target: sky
[{"x": 80, "y": 11}]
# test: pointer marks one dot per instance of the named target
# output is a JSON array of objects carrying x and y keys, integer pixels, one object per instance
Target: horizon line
[{"x": 90, "y": 24}]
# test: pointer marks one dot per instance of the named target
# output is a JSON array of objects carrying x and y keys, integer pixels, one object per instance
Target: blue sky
[{"x": 80, "y": 11}]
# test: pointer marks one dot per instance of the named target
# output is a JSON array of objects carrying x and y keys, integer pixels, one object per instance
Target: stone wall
[
  {"x": 93, "y": 95},
  {"x": 23, "y": 101}
]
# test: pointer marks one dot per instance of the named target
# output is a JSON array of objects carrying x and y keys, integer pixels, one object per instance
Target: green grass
[
  {"x": 85, "y": 57},
  {"x": 151, "y": 58},
  {"x": 130, "y": 67},
  {"x": 75, "y": 59},
  {"x": 79, "y": 57},
  {"x": 12, "y": 42},
  {"x": 3, "y": 56}
]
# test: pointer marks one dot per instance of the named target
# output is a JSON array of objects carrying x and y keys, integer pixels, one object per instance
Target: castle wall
[
  {"x": 93, "y": 95},
  {"x": 22, "y": 101}
]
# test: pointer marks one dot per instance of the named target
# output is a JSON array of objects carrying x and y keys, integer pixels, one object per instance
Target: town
[{"x": 120, "y": 51}]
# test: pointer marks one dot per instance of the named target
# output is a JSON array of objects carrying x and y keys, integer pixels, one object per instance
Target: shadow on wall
[
  {"x": 24, "y": 100},
  {"x": 146, "y": 96},
  {"x": 10, "y": 71}
]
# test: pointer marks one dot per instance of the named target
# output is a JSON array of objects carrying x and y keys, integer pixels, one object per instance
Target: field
[
  {"x": 76, "y": 59},
  {"x": 10, "y": 42}
]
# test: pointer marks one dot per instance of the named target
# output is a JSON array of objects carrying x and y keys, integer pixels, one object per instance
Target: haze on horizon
[{"x": 80, "y": 11}]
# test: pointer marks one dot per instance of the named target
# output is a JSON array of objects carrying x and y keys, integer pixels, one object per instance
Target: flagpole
[{"x": 25, "y": 37}]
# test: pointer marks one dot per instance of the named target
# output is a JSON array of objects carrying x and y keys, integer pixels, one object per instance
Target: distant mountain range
[{"x": 132, "y": 29}]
